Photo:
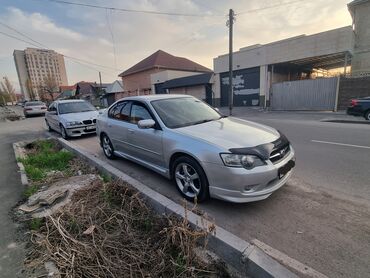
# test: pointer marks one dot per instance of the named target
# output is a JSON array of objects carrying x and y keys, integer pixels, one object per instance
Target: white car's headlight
[
  {"x": 241, "y": 160},
  {"x": 74, "y": 123}
]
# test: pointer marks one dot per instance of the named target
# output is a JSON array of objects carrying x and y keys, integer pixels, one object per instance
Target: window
[
  {"x": 121, "y": 111},
  {"x": 139, "y": 112}
]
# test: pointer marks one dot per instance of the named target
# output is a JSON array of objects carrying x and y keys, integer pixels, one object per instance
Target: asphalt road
[
  {"x": 321, "y": 217},
  {"x": 11, "y": 189}
]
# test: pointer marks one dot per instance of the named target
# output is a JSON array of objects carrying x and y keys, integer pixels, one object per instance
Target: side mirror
[{"x": 144, "y": 124}]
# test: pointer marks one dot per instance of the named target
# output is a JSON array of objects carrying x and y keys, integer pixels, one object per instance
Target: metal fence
[{"x": 316, "y": 94}]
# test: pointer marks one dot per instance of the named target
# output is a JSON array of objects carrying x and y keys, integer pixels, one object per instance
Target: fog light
[{"x": 250, "y": 188}]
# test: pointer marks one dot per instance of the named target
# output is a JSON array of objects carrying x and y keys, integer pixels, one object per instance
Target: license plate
[
  {"x": 90, "y": 127},
  {"x": 285, "y": 169}
]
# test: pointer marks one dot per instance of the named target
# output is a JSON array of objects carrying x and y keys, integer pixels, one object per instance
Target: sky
[{"x": 115, "y": 41}]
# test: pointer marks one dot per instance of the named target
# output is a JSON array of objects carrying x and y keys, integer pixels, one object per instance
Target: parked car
[
  {"x": 205, "y": 153},
  {"x": 32, "y": 108},
  {"x": 360, "y": 107},
  {"x": 72, "y": 118}
]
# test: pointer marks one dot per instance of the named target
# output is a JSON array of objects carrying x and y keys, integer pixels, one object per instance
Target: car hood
[
  {"x": 231, "y": 133},
  {"x": 81, "y": 116}
]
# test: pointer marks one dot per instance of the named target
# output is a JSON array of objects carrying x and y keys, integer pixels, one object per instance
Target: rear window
[{"x": 34, "y": 103}]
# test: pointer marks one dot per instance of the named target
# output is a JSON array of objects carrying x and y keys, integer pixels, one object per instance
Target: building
[
  {"x": 268, "y": 74},
  {"x": 113, "y": 92},
  {"x": 147, "y": 76},
  {"x": 360, "y": 11},
  {"x": 34, "y": 65},
  {"x": 199, "y": 86}
]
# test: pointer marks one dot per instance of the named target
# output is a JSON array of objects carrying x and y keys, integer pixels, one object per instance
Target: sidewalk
[{"x": 321, "y": 116}]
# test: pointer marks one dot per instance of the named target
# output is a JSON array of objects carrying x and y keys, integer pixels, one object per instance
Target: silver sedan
[{"x": 205, "y": 153}]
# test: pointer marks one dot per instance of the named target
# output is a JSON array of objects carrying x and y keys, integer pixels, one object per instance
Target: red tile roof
[{"x": 164, "y": 60}]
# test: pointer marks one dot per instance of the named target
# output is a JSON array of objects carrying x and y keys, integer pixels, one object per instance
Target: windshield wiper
[{"x": 202, "y": 121}]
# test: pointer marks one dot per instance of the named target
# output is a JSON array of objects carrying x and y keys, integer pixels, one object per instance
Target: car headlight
[
  {"x": 241, "y": 160},
  {"x": 74, "y": 123}
]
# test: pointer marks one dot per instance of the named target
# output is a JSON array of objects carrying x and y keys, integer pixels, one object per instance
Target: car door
[
  {"x": 118, "y": 124},
  {"x": 145, "y": 144},
  {"x": 52, "y": 116}
]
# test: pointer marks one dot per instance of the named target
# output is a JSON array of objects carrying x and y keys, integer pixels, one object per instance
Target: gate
[{"x": 313, "y": 94}]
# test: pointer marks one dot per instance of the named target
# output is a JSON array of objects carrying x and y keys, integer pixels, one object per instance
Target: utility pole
[
  {"x": 229, "y": 24},
  {"x": 100, "y": 79}
]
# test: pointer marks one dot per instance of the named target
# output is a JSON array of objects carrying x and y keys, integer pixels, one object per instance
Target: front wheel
[
  {"x": 107, "y": 147},
  {"x": 190, "y": 179},
  {"x": 48, "y": 126},
  {"x": 367, "y": 115},
  {"x": 63, "y": 132}
]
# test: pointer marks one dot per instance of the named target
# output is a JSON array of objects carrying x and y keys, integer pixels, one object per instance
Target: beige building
[
  {"x": 148, "y": 75},
  {"x": 34, "y": 65}
]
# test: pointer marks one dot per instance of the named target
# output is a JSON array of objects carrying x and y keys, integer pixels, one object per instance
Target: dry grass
[{"x": 108, "y": 231}]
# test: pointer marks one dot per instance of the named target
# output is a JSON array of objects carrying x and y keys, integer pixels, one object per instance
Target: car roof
[
  {"x": 155, "y": 97},
  {"x": 69, "y": 100}
]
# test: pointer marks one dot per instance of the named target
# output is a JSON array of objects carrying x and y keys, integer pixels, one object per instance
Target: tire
[
  {"x": 190, "y": 179},
  {"x": 63, "y": 132},
  {"x": 367, "y": 115},
  {"x": 107, "y": 147},
  {"x": 49, "y": 127}
]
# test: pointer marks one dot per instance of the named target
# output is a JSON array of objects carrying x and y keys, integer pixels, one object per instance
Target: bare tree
[
  {"x": 3, "y": 97},
  {"x": 49, "y": 88},
  {"x": 30, "y": 89},
  {"x": 8, "y": 89}
]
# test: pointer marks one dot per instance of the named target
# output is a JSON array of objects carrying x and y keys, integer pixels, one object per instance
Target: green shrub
[
  {"x": 30, "y": 190},
  {"x": 35, "y": 224}
]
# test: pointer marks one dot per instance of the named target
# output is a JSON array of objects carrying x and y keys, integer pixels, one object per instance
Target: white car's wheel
[
  {"x": 63, "y": 132},
  {"x": 48, "y": 126}
]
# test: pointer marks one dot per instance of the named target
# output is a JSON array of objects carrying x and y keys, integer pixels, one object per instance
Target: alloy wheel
[
  {"x": 108, "y": 151},
  {"x": 188, "y": 180}
]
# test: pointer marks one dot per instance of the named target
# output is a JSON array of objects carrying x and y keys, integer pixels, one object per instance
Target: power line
[
  {"x": 38, "y": 44},
  {"x": 269, "y": 7},
  {"x": 130, "y": 10}
]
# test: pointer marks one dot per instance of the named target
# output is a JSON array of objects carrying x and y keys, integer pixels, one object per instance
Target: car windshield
[
  {"x": 34, "y": 103},
  {"x": 75, "y": 107},
  {"x": 185, "y": 111}
]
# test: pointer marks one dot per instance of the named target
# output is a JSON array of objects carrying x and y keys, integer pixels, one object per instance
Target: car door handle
[
  {"x": 131, "y": 130},
  {"x": 109, "y": 125}
]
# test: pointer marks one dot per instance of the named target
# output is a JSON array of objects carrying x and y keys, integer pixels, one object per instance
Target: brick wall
[{"x": 350, "y": 88}]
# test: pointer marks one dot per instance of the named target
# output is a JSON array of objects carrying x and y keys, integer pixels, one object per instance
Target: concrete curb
[
  {"x": 18, "y": 155},
  {"x": 244, "y": 257}
]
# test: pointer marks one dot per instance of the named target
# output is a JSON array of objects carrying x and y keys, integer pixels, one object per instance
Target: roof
[
  {"x": 164, "y": 60},
  {"x": 356, "y": 2},
  {"x": 115, "y": 87},
  {"x": 154, "y": 97},
  {"x": 192, "y": 80}
]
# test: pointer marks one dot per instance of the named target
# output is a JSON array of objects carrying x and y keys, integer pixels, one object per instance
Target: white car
[
  {"x": 72, "y": 118},
  {"x": 32, "y": 108}
]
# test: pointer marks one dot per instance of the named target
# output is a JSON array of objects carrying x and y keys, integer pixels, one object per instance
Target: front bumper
[
  {"x": 81, "y": 130},
  {"x": 240, "y": 185}
]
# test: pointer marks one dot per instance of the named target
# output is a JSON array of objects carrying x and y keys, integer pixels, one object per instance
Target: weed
[
  {"x": 35, "y": 224},
  {"x": 106, "y": 178},
  {"x": 34, "y": 173},
  {"x": 30, "y": 190},
  {"x": 43, "y": 158}
]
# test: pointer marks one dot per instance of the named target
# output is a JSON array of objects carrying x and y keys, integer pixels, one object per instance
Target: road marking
[
  {"x": 287, "y": 261},
  {"x": 340, "y": 144}
]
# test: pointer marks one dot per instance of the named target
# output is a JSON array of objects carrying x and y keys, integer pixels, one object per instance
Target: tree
[
  {"x": 30, "y": 89},
  {"x": 8, "y": 90},
  {"x": 48, "y": 88}
]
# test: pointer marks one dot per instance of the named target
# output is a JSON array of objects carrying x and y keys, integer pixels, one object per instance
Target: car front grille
[
  {"x": 89, "y": 122},
  {"x": 279, "y": 153}
]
